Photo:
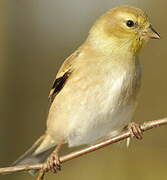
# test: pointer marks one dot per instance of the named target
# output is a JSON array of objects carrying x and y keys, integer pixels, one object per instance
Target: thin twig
[{"x": 144, "y": 127}]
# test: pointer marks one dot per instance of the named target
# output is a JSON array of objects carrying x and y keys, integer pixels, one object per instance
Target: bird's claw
[
  {"x": 53, "y": 164},
  {"x": 135, "y": 130}
]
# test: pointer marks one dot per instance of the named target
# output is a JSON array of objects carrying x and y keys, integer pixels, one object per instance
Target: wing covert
[{"x": 58, "y": 84}]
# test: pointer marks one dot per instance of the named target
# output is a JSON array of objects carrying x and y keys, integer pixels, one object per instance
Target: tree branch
[{"x": 144, "y": 127}]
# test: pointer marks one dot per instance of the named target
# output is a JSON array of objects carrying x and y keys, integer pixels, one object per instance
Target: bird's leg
[
  {"x": 135, "y": 130},
  {"x": 53, "y": 163}
]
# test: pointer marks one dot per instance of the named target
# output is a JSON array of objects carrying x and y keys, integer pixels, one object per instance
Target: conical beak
[{"x": 152, "y": 33}]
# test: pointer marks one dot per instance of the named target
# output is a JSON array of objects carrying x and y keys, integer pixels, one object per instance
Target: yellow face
[{"x": 127, "y": 24}]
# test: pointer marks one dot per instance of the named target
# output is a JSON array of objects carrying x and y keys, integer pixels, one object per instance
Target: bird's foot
[
  {"x": 135, "y": 130},
  {"x": 53, "y": 163}
]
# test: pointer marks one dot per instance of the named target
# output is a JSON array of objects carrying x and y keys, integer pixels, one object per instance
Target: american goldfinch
[{"x": 94, "y": 95}]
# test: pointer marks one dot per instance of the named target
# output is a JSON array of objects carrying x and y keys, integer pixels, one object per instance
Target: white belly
[
  {"x": 104, "y": 113},
  {"x": 88, "y": 130},
  {"x": 86, "y": 110}
]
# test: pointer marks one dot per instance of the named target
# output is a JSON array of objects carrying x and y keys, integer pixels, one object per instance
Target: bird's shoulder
[{"x": 63, "y": 75}]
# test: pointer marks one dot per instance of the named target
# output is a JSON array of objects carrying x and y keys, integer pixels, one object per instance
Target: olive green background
[{"x": 35, "y": 37}]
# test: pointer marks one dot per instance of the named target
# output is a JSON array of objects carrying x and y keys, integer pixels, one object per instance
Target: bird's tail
[{"x": 38, "y": 153}]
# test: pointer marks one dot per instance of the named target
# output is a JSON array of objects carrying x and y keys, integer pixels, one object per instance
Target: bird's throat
[{"x": 136, "y": 45}]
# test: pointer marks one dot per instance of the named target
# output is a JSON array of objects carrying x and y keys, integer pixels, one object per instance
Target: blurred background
[{"x": 35, "y": 38}]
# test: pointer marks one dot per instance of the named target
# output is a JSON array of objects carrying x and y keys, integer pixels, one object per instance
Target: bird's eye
[{"x": 130, "y": 23}]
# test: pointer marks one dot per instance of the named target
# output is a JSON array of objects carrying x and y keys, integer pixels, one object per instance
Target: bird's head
[{"x": 125, "y": 25}]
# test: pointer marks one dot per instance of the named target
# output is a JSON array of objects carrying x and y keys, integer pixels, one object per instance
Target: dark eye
[{"x": 130, "y": 23}]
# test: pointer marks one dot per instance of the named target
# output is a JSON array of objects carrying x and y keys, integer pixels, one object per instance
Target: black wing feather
[{"x": 58, "y": 84}]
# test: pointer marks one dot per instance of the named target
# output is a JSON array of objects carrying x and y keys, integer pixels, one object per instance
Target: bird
[{"x": 95, "y": 92}]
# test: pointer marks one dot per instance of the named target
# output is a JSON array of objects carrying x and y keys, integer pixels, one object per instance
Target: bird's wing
[
  {"x": 62, "y": 76},
  {"x": 58, "y": 84}
]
